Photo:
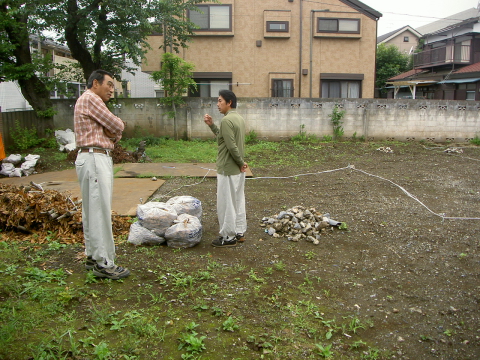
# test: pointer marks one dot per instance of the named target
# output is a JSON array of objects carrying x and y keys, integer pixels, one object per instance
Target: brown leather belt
[{"x": 95, "y": 150}]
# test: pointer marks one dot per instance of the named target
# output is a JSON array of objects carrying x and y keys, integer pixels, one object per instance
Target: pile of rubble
[
  {"x": 33, "y": 214},
  {"x": 300, "y": 223}
]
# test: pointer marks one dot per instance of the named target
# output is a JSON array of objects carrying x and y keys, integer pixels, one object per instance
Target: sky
[{"x": 416, "y": 13}]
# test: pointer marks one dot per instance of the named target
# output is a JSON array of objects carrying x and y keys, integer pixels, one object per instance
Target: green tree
[
  {"x": 176, "y": 78},
  {"x": 99, "y": 34},
  {"x": 390, "y": 62}
]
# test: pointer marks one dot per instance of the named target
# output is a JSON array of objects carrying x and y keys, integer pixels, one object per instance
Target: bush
[
  {"x": 475, "y": 140},
  {"x": 24, "y": 138},
  {"x": 251, "y": 138}
]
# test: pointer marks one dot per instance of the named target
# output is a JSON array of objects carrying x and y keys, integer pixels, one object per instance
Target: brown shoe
[{"x": 240, "y": 238}]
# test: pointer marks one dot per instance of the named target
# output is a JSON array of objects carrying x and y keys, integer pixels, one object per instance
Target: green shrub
[
  {"x": 475, "y": 140},
  {"x": 251, "y": 138},
  {"x": 24, "y": 138}
]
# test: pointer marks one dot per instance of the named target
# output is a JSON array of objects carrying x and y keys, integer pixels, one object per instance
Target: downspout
[{"x": 300, "y": 50}]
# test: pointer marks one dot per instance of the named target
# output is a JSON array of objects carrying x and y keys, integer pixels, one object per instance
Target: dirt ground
[
  {"x": 413, "y": 272},
  {"x": 409, "y": 260}
]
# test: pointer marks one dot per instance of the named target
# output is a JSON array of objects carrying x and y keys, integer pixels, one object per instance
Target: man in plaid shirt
[{"x": 96, "y": 131}]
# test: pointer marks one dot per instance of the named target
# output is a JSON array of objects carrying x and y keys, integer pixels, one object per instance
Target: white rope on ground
[
  {"x": 349, "y": 167},
  {"x": 415, "y": 198},
  {"x": 197, "y": 183}
]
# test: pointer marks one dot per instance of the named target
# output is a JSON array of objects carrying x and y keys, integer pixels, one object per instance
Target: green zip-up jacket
[{"x": 231, "y": 143}]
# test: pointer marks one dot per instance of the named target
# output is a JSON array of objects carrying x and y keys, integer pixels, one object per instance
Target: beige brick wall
[{"x": 278, "y": 56}]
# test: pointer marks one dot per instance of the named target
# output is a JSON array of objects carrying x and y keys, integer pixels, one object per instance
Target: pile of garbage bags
[
  {"x": 176, "y": 222},
  {"x": 26, "y": 168}
]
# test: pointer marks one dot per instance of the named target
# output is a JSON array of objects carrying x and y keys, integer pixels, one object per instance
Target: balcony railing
[{"x": 456, "y": 54}]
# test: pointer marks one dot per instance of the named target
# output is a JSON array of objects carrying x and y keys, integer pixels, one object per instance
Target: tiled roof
[
  {"x": 448, "y": 21},
  {"x": 383, "y": 37},
  {"x": 470, "y": 68},
  {"x": 406, "y": 74}
]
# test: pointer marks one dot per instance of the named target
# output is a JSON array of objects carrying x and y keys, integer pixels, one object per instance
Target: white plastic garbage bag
[
  {"x": 139, "y": 235},
  {"x": 64, "y": 138},
  {"x": 186, "y": 232},
  {"x": 187, "y": 205},
  {"x": 156, "y": 216},
  {"x": 7, "y": 169},
  {"x": 13, "y": 159},
  {"x": 28, "y": 166}
]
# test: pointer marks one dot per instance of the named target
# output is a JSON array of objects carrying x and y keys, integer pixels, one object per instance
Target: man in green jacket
[{"x": 231, "y": 169}]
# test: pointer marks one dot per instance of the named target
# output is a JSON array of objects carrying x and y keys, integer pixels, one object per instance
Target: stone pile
[{"x": 299, "y": 223}]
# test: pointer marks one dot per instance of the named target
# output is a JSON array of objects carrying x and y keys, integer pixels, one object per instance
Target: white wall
[{"x": 11, "y": 97}]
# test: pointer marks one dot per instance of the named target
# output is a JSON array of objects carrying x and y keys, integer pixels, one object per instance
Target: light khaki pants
[
  {"x": 95, "y": 174},
  {"x": 231, "y": 205}
]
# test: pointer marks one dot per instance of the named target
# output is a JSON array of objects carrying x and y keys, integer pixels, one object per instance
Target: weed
[
  {"x": 336, "y": 119},
  {"x": 324, "y": 351},
  {"x": 462, "y": 256},
  {"x": 475, "y": 141},
  {"x": 251, "y": 137},
  {"x": 358, "y": 344},
  {"x": 230, "y": 324},
  {"x": 309, "y": 255},
  {"x": 370, "y": 354}
]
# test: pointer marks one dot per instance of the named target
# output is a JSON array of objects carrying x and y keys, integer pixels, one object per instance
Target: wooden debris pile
[{"x": 34, "y": 214}]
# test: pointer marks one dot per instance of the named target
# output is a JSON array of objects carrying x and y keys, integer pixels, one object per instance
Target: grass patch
[{"x": 173, "y": 304}]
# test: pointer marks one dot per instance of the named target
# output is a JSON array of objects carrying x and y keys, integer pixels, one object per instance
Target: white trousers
[
  {"x": 95, "y": 175},
  {"x": 231, "y": 205}
]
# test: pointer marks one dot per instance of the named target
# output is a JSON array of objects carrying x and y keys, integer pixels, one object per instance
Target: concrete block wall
[{"x": 282, "y": 118}]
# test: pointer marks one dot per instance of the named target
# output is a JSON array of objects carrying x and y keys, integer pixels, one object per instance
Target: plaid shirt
[{"x": 91, "y": 119}]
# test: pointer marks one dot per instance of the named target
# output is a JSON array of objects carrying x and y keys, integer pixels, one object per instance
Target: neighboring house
[
  {"x": 405, "y": 39},
  {"x": 447, "y": 66},
  {"x": 271, "y": 48},
  {"x": 139, "y": 84}
]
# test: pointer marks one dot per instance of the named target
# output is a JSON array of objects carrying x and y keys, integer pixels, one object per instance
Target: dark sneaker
[
  {"x": 222, "y": 242},
  {"x": 240, "y": 237},
  {"x": 90, "y": 263},
  {"x": 115, "y": 273}
]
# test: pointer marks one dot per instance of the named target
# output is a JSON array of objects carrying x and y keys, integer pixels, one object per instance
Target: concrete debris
[
  {"x": 299, "y": 223},
  {"x": 385, "y": 149},
  {"x": 454, "y": 150}
]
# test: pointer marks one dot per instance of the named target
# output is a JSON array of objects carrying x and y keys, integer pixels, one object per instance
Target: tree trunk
[{"x": 33, "y": 89}]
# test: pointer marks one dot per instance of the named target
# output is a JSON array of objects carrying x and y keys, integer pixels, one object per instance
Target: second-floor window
[
  {"x": 277, "y": 26},
  {"x": 212, "y": 17},
  {"x": 282, "y": 88},
  {"x": 329, "y": 25},
  {"x": 406, "y": 39}
]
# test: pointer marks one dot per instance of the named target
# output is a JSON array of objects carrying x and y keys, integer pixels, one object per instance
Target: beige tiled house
[
  {"x": 405, "y": 39},
  {"x": 281, "y": 48}
]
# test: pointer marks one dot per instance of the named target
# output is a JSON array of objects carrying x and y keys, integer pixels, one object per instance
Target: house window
[
  {"x": 277, "y": 26},
  {"x": 282, "y": 88},
  {"x": 212, "y": 17},
  {"x": 470, "y": 90},
  {"x": 209, "y": 87},
  {"x": 406, "y": 39},
  {"x": 341, "y": 89},
  {"x": 329, "y": 25}
]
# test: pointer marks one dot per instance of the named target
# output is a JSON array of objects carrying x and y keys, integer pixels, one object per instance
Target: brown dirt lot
[{"x": 415, "y": 274}]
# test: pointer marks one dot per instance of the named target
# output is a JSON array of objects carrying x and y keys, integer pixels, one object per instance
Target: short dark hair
[
  {"x": 98, "y": 75},
  {"x": 229, "y": 95}
]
